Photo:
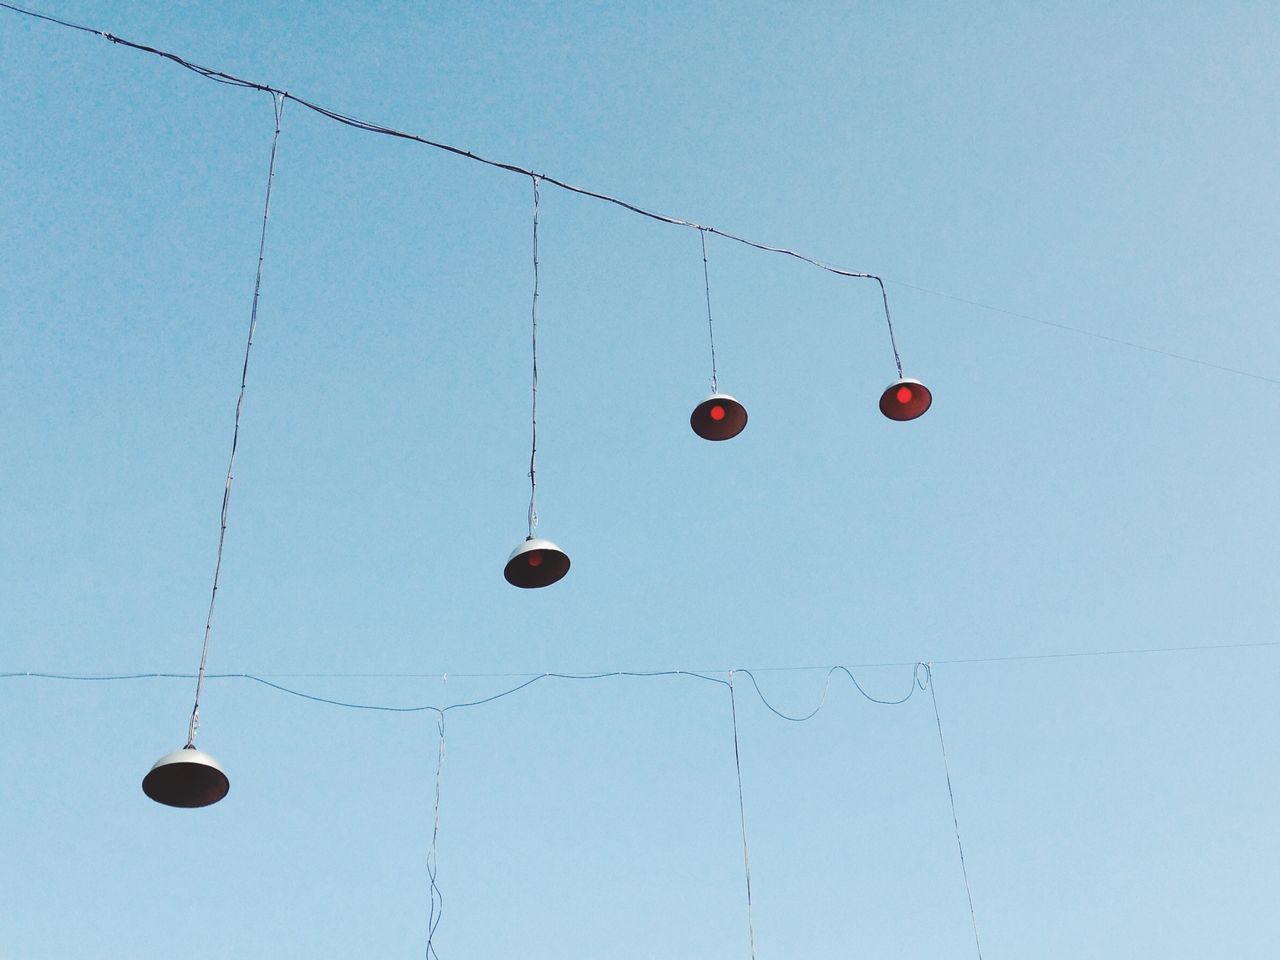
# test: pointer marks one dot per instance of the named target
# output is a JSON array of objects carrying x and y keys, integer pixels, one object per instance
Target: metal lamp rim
[{"x": 533, "y": 543}]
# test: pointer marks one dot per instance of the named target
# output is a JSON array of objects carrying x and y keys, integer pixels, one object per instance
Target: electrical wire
[
  {"x": 193, "y": 725},
  {"x": 1058, "y": 325},
  {"x": 221, "y": 77},
  {"x": 42, "y": 16},
  {"x": 742, "y": 812},
  {"x": 826, "y": 689},
  {"x": 533, "y": 451},
  {"x": 437, "y": 898},
  {"x": 500, "y": 695},
  {"x": 922, "y": 677},
  {"x": 789, "y": 668},
  {"x": 711, "y": 330},
  {"x": 919, "y": 677},
  {"x": 955, "y": 820}
]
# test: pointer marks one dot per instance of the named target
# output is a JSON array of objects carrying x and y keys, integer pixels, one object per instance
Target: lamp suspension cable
[
  {"x": 711, "y": 332},
  {"x": 533, "y": 450},
  {"x": 893, "y": 342},
  {"x": 278, "y": 99}
]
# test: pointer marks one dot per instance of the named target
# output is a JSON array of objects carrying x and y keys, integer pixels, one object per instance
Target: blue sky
[{"x": 1105, "y": 167}]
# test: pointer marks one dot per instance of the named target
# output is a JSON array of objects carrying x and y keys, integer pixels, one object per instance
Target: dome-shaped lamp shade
[
  {"x": 719, "y": 417},
  {"x": 536, "y": 563},
  {"x": 186, "y": 778},
  {"x": 905, "y": 399}
]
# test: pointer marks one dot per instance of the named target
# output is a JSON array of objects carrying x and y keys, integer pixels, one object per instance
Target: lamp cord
[
  {"x": 278, "y": 102},
  {"x": 889, "y": 322},
  {"x": 706, "y": 282},
  {"x": 533, "y": 452}
]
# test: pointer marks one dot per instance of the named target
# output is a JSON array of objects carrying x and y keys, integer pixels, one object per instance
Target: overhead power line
[
  {"x": 220, "y": 76},
  {"x": 920, "y": 673},
  {"x": 528, "y": 674}
]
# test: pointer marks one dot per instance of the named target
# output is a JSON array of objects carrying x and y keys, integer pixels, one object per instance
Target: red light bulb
[
  {"x": 717, "y": 412},
  {"x": 535, "y": 559},
  {"x": 904, "y": 395}
]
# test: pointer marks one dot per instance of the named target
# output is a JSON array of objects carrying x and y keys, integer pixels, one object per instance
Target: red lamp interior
[
  {"x": 905, "y": 400},
  {"x": 538, "y": 567},
  {"x": 719, "y": 417}
]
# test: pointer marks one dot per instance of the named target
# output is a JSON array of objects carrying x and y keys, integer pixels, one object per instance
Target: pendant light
[
  {"x": 906, "y": 398},
  {"x": 535, "y": 562},
  {"x": 190, "y": 777},
  {"x": 186, "y": 778},
  {"x": 720, "y": 416}
]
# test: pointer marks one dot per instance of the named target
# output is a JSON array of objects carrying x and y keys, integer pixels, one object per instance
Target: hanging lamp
[
  {"x": 535, "y": 562},
  {"x": 720, "y": 416},
  {"x": 186, "y": 778},
  {"x": 906, "y": 398},
  {"x": 190, "y": 777}
]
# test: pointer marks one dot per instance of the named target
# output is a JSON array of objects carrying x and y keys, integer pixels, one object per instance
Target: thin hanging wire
[
  {"x": 964, "y": 871},
  {"x": 711, "y": 331},
  {"x": 742, "y": 813},
  {"x": 278, "y": 104},
  {"x": 889, "y": 322},
  {"x": 437, "y": 899},
  {"x": 533, "y": 450}
]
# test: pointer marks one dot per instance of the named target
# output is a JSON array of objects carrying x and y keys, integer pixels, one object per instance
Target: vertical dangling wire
[
  {"x": 742, "y": 814},
  {"x": 533, "y": 452},
  {"x": 437, "y": 899},
  {"x": 946, "y": 767},
  {"x": 278, "y": 103},
  {"x": 706, "y": 282},
  {"x": 889, "y": 320}
]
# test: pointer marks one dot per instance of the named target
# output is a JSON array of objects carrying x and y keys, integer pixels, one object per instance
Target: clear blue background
[{"x": 1109, "y": 167}]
